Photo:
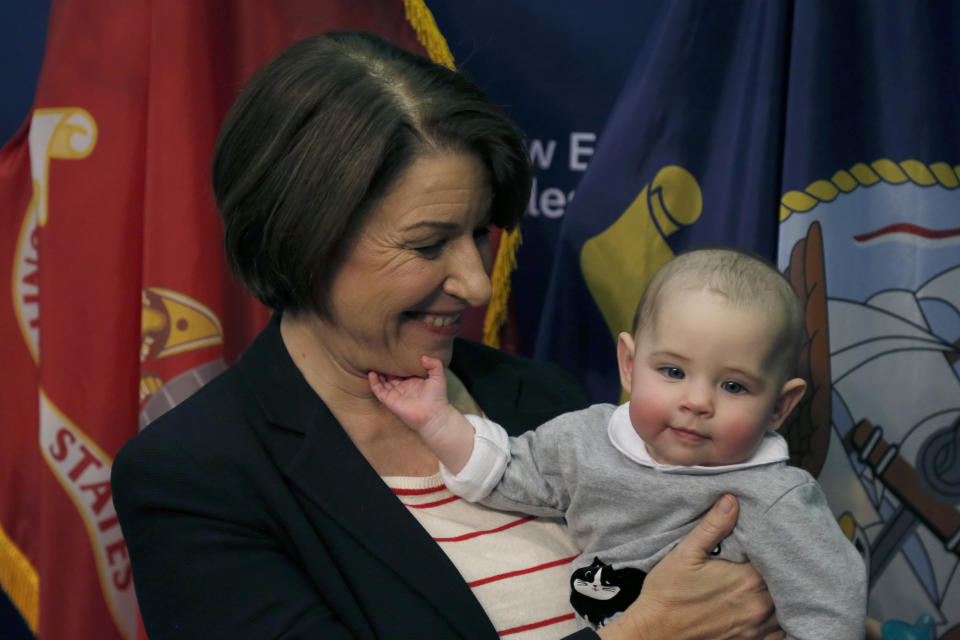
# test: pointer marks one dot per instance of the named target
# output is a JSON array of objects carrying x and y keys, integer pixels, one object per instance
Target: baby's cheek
[
  {"x": 741, "y": 435},
  {"x": 646, "y": 411}
]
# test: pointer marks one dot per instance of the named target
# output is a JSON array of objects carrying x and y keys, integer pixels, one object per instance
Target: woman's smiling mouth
[{"x": 442, "y": 322}]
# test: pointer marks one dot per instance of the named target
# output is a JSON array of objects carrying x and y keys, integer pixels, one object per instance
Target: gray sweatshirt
[{"x": 627, "y": 510}]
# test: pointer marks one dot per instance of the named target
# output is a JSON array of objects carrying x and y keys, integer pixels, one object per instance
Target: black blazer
[{"x": 249, "y": 513}]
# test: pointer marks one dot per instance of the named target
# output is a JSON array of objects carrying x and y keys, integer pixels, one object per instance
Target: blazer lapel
[
  {"x": 365, "y": 507},
  {"x": 326, "y": 466}
]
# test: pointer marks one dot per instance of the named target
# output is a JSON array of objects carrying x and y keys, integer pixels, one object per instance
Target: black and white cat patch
[{"x": 600, "y": 591}]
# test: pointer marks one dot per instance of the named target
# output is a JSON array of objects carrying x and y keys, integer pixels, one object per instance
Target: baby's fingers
[
  {"x": 431, "y": 364},
  {"x": 376, "y": 383},
  {"x": 434, "y": 368}
]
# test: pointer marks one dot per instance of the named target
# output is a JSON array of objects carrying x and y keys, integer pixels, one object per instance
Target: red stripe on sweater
[
  {"x": 519, "y": 572},
  {"x": 418, "y": 492},
  {"x": 428, "y": 505},
  {"x": 474, "y": 534},
  {"x": 537, "y": 625}
]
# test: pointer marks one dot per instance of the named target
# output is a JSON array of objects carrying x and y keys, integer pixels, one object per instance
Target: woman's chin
[
  {"x": 444, "y": 355},
  {"x": 440, "y": 348},
  {"x": 410, "y": 365}
]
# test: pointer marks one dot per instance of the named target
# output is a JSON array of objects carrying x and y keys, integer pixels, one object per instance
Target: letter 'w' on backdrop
[
  {"x": 824, "y": 135},
  {"x": 118, "y": 300}
]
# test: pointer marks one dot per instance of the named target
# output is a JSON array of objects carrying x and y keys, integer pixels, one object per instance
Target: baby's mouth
[{"x": 688, "y": 434}]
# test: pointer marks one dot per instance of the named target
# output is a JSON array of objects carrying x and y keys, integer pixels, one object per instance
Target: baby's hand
[
  {"x": 423, "y": 406},
  {"x": 414, "y": 399}
]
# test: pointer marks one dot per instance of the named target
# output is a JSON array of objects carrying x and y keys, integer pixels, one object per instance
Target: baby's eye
[
  {"x": 733, "y": 387},
  {"x": 672, "y": 372}
]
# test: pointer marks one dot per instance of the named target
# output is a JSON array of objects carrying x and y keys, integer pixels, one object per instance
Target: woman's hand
[{"x": 690, "y": 595}]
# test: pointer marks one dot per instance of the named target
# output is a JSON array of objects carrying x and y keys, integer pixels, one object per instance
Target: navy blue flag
[
  {"x": 870, "y": 236},
  {"x": 826, "y": 136},
  {"x": 689, "y": 156}
]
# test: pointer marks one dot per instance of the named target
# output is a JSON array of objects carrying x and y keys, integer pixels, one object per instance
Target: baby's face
[{"x": 703, "y": 389}]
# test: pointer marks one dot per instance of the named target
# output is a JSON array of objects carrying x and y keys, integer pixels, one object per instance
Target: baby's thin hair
[{"x": 745, "y": 279}]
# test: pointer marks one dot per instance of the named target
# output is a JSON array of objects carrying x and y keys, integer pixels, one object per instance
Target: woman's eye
[
  {"x": 733, "y": 387},
  {"x": 672, "y": 372},
  {"x": 430, "y": 250}
]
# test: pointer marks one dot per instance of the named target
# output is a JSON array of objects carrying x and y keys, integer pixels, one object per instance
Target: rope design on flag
[
  {"x": 865, "y": 175},
  {"x": 20, "y": 581},
  {"x": 423, "y": 23}
]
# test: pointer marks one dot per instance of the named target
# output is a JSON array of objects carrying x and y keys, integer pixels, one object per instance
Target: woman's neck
[{"x": 390, "y": 447}]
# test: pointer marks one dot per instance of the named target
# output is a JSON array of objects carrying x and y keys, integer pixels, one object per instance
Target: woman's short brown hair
[{"x": 319, "y": 134}]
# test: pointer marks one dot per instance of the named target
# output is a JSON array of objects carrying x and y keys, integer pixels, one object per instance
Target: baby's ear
[
  {"x": 625, "y": 347},
  {"x": 790, "y": 395}
]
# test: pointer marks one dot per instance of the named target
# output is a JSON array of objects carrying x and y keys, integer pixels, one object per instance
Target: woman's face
[{"x": 421, "y": 259}]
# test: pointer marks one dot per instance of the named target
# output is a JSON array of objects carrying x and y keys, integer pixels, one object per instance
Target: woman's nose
[{"x": 467, "y": 278}]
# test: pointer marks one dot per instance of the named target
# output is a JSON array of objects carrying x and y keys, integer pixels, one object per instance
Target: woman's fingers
[
  {"x": 689, "y": 594},
  {"x": 771, "y": 626},
  {"x": 715, "y": 526}
]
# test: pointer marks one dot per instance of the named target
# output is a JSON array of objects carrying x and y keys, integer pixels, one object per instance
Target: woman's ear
[
  {"x": 790, "y": 395},
  {"x": 625, "y": 347}
]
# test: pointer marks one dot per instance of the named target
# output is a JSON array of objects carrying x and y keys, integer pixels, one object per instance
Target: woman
[{"x": 356, "y": 183}]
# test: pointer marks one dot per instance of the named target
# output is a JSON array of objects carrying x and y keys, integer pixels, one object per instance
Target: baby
[{"x": 710, "y": 368}]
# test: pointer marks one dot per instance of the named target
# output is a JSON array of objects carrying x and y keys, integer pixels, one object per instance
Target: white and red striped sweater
[{"x": 517, "y": 565}]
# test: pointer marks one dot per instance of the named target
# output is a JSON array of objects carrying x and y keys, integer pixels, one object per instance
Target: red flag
[{"x": 120, "y": 303}]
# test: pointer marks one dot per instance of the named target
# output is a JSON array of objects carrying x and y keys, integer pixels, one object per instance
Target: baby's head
[{"x": 712, "y": 358}]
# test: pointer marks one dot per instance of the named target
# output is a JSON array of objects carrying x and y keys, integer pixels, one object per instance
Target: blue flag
[
  {"x": 870, "y": 236},
  {"x": 825, "y": 136},
  {"x": 689, "y": 157}
]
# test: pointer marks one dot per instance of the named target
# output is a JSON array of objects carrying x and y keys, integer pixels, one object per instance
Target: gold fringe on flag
[
  {"x": 421, "y": 19},
  {"x": 505, "y": 264},
  {"x": 19, "y": 580}
]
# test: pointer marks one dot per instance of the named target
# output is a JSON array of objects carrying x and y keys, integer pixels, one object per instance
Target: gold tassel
[
  {"x": 420, "y": 18},
  {"x": 20, "y": 582},
  {"x": 497, "y": 307}
]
